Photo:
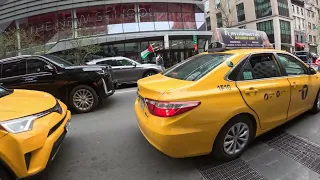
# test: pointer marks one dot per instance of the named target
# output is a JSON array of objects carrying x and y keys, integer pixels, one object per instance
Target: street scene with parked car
[{"x": 163, "y": 90}]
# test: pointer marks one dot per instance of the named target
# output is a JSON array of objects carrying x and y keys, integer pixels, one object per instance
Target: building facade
[
  {"x": 312, "y": 32},
  {"x": 299, "y": 23},
  {"x": 291, "y": 25},
  {"x": 122, "y": 28}
]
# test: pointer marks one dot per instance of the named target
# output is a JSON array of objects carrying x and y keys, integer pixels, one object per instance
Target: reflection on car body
[
  {"x": 220, "y": 100},
  {"x": 126, "y": 70}
]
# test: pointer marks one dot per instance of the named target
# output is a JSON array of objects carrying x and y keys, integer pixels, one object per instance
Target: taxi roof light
[{"x": 169, "y": 109}]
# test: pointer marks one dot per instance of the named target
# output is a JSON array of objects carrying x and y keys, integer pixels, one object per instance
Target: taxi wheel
[
  {"x": 83, "y": 99},
  {"x": 233, "y": 138},
  {"x": 316, "y": 105},
  {"x": 4, "y": 175}
]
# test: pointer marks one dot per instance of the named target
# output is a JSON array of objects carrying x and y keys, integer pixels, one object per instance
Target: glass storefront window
[
  {"x": 114, "y": 19},
  {"x": 113, "y": 14},
  {"x": 198, "y": 9},
  {"x": 201, "y": 43},
  {"x": 174, "y": 7},
  {"x": 91, "y": 21},
  {"x": 114, "y": 50},
  {"x": 189, "y": 8},
  {"x": 199, "y": 17},
  {"x": 177, "y": 44},
  {"x": 157, "y": 44},
  {"x": 115, "y": 29},
  {"x": 188, "y": 44},
  {"x": 159, "y": 7},
  {"x": 161, "y": 26},
  {"x": 130, "y": 27},
  {"x": 145, "y": 12},
  {"x": 129, "y": 14},
  {"x": 132, "y": 47},
  {"x": 64, "y": 24},
  {"x": 190, "y": 25}
]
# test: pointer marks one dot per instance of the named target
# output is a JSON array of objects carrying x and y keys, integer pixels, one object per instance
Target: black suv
[{"x": 80, "y": 87}]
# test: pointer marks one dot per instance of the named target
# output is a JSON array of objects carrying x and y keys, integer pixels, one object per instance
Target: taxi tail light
[{"x": 169, "y": 109}]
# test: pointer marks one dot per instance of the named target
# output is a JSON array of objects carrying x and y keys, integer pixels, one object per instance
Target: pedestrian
[
  {"x": 309, "y": 58},
  {"x": 159, "y": 61}
]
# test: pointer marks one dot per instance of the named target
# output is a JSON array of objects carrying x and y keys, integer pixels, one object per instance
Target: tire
[
  {"x": 219, "y": 151},
  {"x": 83, "y": 99},
  {"x": 4, "y": 175},
  {"x": 316, "y": 105},
  {"x": 149, "y": 73}
]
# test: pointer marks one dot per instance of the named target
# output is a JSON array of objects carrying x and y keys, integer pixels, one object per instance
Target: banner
[{"x": 241, "y": 38}]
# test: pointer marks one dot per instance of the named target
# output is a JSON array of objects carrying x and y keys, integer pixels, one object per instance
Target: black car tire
[
  {"x": 4, "y": 175},
  {"x": 316, "y": 107},
  {"x": 149, "y": 73},
  {"x": 218, "y": 150},
  {"x": 90, "y": 93}
]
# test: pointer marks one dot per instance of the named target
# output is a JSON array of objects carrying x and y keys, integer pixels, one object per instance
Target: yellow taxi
[
  {"x": 218, "y": 101},
  {"x": 32, "y": 126}
]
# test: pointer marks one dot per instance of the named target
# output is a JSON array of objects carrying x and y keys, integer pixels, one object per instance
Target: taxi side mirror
[{"x": 312, "y": 71}]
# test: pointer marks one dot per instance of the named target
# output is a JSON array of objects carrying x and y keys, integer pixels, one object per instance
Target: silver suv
[{"x": 126, "y": 70}]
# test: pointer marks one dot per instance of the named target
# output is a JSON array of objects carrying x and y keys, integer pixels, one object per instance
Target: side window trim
[
  {"x": 12, "y": 61},
  {"x": 39, "y": 59},
  {"x": 248, "y": 59}
]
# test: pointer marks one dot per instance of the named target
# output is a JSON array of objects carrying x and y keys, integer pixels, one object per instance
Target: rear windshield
[
  {"x": 195, "y": 67},
  {"x": 301, "y": 53}
]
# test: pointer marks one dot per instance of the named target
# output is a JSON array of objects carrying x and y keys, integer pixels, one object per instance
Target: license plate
[
  {"x": 68, "y": 126},
  {"x": 142, "y": 102}
]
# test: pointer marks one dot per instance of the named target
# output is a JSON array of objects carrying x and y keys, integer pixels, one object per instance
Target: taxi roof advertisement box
[{"x": 241, "y": 38}]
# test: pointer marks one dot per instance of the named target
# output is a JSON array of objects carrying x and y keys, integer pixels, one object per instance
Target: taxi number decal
[
  {"x": 304, "y": 92},
  {"x": 224, "y": 87},
  {"x": 270, "y": 95}
]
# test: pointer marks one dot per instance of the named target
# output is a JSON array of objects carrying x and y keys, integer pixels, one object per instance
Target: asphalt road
[{"x": 107, "y": 144}]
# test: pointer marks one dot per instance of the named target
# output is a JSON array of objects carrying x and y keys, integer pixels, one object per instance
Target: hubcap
[
  {"x": 318, "y": 101},
  {"x": 236, "y": 138},
  {"x": 83, "y": 99}
]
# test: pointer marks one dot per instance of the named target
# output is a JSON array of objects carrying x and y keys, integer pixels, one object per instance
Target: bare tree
[
  {"x": 226, "y": 8},
  {"x": 8, "y": 43},
  {"x": 14, "y": 42},
  {"x": 79, "y": 51}
]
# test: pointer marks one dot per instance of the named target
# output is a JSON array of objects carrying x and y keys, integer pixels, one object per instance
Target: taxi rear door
[
  {"x": 304, "y": 86},
  {"x": 264, "y": 89}
]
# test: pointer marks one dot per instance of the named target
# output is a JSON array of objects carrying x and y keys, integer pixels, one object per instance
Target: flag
[{"x": 146, "y": 52}]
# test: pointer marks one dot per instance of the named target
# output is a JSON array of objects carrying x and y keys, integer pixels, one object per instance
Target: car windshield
[
  {"x": 4, "y": 92},
  {"x": 59, "y": 61},
  {"x": 196, "y": 67}
]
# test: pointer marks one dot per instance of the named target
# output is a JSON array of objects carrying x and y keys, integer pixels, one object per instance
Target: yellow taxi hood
[
  {"x": 22, "y": 103},
  {"x": 154, "y": 86}
]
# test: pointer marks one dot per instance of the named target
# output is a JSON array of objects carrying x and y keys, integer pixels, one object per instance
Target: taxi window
[
  {"x": 259, "y": 67},
  {"x": 196, "y": 67},
  {"x": 291, "y": 65}
]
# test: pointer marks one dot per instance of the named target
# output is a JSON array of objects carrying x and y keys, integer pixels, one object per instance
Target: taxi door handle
[
  {"x": 294, "y": 84},
  {"x": 251, "y": 90}
]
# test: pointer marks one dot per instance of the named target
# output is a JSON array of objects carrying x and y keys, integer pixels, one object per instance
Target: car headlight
[
  {"x": 24, "y": 124},
  {"x": 20, "y": 124}
]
